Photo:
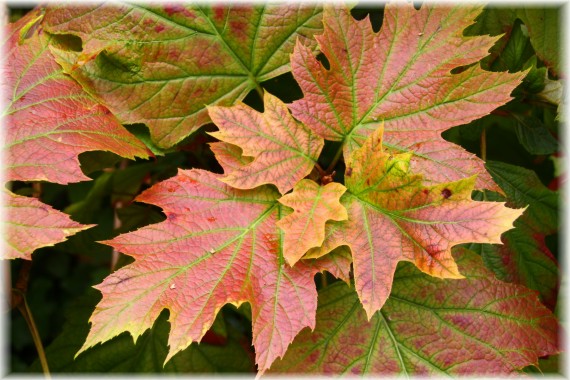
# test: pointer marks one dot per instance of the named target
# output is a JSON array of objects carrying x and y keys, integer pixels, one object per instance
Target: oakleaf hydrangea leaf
[
  {"x": 161, "y": 65},
  {"x": 402, "y": 76},
  {"x": 284, "y": 150},
  {"x": 393, "y": 217},
  {"x": 217, "y": 245},
  {"x": 428, "y": 327},
  {"x": 313, "y": 205},
  {"x": 49, "y": 121},
  {"x": 30, "y": 224}
]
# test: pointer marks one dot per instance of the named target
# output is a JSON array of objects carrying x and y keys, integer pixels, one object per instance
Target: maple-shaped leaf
[
  {"x": 283, "y": 150},
  {"x": 393, "y": 217},
  {"x": 313, "y": 206},
  {"x": 162, "y": 64},
  {"x": 49, "y": 120},
  {"x": 217, "y": 245},
  {"x": 30, "y": 224},
  {"x": 402, "y": 76},
  {"x": 429, "y": 326}
]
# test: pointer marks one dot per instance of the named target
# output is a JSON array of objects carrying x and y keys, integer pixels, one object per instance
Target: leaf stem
[
  {"x": 27, "y": 314},
  {"x": 484, "y": 144},
  {"x": 320, "y": 169},
  {"x": 259, "y": 90},
  {"x": 117, "y": 224},
  {"x": 337, "y": 157}
]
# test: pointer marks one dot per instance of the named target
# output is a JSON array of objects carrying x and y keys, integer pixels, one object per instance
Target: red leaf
[
  {"x": 402, "y": 76},
  {"x": 49, "y": 118},
  {"x": 428, "y": 326},
  {"x": 218, "y": 245}
]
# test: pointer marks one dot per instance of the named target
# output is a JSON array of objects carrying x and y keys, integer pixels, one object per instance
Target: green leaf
[
  {"x": 523, "y": 187},
  {"x": 534, "y": 135},
  {"x": 544, "y": 31},
  {"x": 428, "y": 326},
  {"x": 161, "y": 65}
]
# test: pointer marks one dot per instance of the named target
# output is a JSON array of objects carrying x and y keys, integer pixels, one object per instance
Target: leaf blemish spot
[
  {"x": 173, "y": 286},
  {"x": 348, "y": 171},
  {"x": 211, "y": 219},
  {"x": 446, "y": 193}
]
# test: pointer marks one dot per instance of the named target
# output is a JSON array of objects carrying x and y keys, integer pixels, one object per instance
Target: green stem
[
  {"x": 259, "y": 90},
  {"x": 324, "y": 281},
  {"x": 27, "y": 314},
  {"x": 337, "y": 157},
  {"x": 484, "y": 153},
  {"x": 484, "y": 144}
]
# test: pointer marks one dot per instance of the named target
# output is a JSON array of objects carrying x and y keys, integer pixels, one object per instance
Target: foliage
[{"x": 221, "y": 185}]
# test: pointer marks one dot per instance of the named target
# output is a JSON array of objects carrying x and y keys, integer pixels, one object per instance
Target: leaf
[
  {"x": 121, "y": 355},
  {"x": 229, "y": 156},
  {"x": 49, "y": 118},
  {"x": 534, "y": 135},
  {"x": 402, "y": 76},
  {"x": 283, "y": 150},
  {"x": 524, "y": 258},
  {"x": 393, "y": 217},
  {"x": 162, "y": 64},
  {"x": 49, "y": 121},
  {"x": 217, "y": 245},
  {"x": 313, "y": 206},
  {"x": 523, "y": 188},
  {"x": 30, "y": 224},
  {"x": 543, "y": 29},
  {"x": 476, "y": 326}
]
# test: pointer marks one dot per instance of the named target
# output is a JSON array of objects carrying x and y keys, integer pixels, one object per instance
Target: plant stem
[
  {"x": 117, "y": 224},
  {"x": 484, "y": 153},
  {"x": 27, "y": 314},
  {"x": 484, "y": 144},
  {"x": 319, "y": 169},
  {"x": 337, "y": 157},
  {"x": 259, "y": 90},
  {"x": 324, "y": 281}
]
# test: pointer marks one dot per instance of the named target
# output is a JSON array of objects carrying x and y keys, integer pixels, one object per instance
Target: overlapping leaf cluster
[{"x": 259, "y": 232}]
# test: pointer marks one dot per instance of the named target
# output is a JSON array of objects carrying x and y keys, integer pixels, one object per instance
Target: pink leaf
[
  {"x": 217, "y": 245},
  {"x": 402, "y": 76},
  {"x": 283, "y": 150},
  {"x": 31, "y": 224},
  {"x": 428, "y": 327},
  {"x": 393, "y": 217}
]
